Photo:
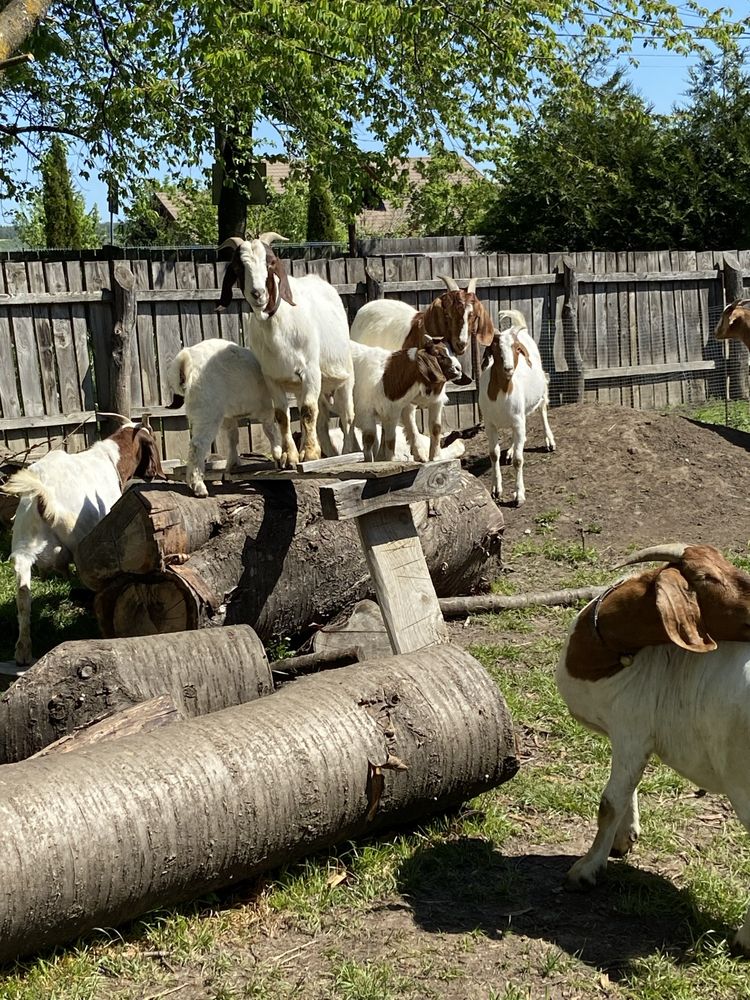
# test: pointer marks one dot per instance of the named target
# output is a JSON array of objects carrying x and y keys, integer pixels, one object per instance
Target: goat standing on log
[
  {"x": 300, "y": 335},
  {"x": 454, "y": 317},
  {"x": 735, "y": 322},
  {"x": 62, "y": 497},
  {"x": 387, "y": 382},
  {"x": 642, "y": 665},
  {"x": 219, "y": 381},
  {"x": 511, "y": 387}
]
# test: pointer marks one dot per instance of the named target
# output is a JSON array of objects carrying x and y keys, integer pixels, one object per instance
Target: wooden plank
[
  {"x": 189, "y": 309},
  {"x": 599, "y": 313},
  {"x": 71, "y": 397},
  {"x": 26, "y": 347},
  {"x": 402, "y": 582},
  {"x": 656, "y": 327},
  {"x": 10, "y": 404},
  {"x": 498, "y": 281},
  {"x": 354, "y": 497},
  {"x": 668, "y": 312},
  {"x": 146, "y": 337},
  {"x": 81, "y": 347},
  {"x": 50, "y": 298},
  {"x": 612, "y": 330},
  {"x": 692, "y": 321},
  {"x": 586, "y": 322},
  {"x": 319, "y": 464},
  {"x": 99, "y": 316},
  {"x": 681, "y": 368},
  {"x": 168, "y": 344},
  {"x": 643, "y": 329},
  {"x": 207, "y": 279}
]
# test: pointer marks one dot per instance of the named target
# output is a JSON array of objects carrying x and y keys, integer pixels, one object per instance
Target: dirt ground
[{"x": 629, "y": 478}]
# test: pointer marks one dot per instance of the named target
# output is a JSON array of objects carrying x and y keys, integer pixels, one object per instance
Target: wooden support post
[
  {"x": 374, "y": 285},
  {"x": 573, "y": 383},
  {"x": 737, "y": 360},
  {"x": 123, "y": 332},
  {"x": 391, "y": 545}
]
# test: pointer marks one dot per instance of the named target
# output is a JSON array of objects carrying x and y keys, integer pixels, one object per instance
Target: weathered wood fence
[{"x": 629, "y": 328}]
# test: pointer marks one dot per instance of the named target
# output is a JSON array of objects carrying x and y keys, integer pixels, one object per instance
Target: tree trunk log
[
  {"x": 79, "y": 682},
  {"x": 107, "y": 833},
  {"x": 140, "y": 718},
  {"x": 275, "y": 564},
  {"x": 454, "y": 607}
]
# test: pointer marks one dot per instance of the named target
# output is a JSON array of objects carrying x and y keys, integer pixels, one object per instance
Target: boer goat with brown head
[
  {"x": 660, "y": 663},
  {"x": 300, "y": 335}
]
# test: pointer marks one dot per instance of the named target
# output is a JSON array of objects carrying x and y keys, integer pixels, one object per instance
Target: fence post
[
  {"x": 739, "y": 380},
  {"x": 573, "y": 383},
  {"x": 374, "y": 285},
  {"x": 125, "y": 309}
]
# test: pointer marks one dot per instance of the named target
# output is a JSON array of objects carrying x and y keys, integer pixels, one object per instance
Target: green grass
[{"x": 735, "y": 413}]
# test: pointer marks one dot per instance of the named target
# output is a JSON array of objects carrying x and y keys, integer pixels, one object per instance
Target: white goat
[
  {"x": 387, "y": 382},
  {"x": 642, "y": 665},
  {"x": 300, "y": 335},
  {"x": 219, "y": 381},
  {"x": 509, "y": 390},
  {"x": 454, "y": 317},
  {"x": 62, "y": 497}
]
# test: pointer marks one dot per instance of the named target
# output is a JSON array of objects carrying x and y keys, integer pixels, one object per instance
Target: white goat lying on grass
[
  {"x": 61, "y": 498},
  {"x": 512, "y": 386},
  {"x": 642, "y": 665},
  {"x": 219, "y": 381}
]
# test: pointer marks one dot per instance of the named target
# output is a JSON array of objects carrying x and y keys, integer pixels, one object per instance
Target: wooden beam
[
  {"x": 573, "y": 381},
  {"x": 321, "y": 464},
  {"x": 355, "y": 497},
  {"x": 679, "y": 368}
]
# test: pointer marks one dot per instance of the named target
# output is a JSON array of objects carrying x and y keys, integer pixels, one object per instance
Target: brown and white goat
[
  {"x": 61, "y": 498},
  {"x": 386, "y": 383},
  {"x": 735, "y": 322},
  {"x": 660, "y": 663}
]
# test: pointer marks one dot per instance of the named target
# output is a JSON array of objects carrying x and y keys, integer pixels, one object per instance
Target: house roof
[{"x": 393, "y": 216}]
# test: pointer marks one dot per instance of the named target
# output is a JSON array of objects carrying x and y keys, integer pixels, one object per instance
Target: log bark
[
  {"x": 454, "y": 607},
  {"x": 107, "y": 833},
  {"x": 78, "y": 682},
  {"x": 274, "y": 563},
  {"x": 140, "y": 718}
]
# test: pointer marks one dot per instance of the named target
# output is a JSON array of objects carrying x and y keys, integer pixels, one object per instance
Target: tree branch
[{"x": 17, "y": 20}]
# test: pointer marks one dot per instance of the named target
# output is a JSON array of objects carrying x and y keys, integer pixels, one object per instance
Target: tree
[
  {"x": 143, "y": 83},
  {"x": 453, "y": 198},
  {"x": 31, "y": 227},
  {"x": 322, "y": 225},
  {"x": 60, "y": 217},
  {"x": 146, "y": 225}
]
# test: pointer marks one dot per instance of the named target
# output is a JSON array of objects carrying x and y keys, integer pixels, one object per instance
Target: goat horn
[
  {"x": 672, "y": 552},
  {"x": 450, "y": 283},
  {"x": 233, "y": 242},
  {"x": 472, "y": 286},
  {"x": 113, "y": 416},
  {"x": 270, "y": 238}
]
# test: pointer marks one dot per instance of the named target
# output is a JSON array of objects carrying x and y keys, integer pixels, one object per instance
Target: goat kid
[
  {"x": 512, "y": 386},
  {"x": 387, "y": 382},
  {"x": 642, "y": 665},
  {"x": 61, "y": 498},
  {"x": 299, "y": 333},
  {"x": 219, "y": 381},
  {"x": 735, "y": 322}
]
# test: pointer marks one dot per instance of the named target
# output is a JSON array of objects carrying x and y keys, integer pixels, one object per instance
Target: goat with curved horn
[
  {"x": 232, "y": 242},
  {"x": 670, "y": 552},
  {"x": 450, "y": 283},
  {"x": 471, "y": 288},
  {"x": 270, "y": 238}
]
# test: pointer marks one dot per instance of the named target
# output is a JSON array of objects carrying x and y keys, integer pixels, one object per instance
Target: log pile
[
  {"x": 78, "y": 683},
  {"x": 263, "y": 554},
  {"x": 100, "y": 835}
]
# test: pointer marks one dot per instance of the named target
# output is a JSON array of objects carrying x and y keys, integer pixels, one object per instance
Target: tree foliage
[
  {"x": 617, "y": 176},
  {"x": 452, "y": 200},
  {"x": 140, "y": 83},
  {"x": 322, "y": 224},
  {"x": 61, "y": 221}
]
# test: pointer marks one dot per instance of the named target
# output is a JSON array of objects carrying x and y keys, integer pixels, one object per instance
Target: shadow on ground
[{"x": 463, "y": 886}]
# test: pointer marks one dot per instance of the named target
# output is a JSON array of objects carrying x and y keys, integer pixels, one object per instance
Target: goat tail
[
  {"x": 26, "y": 483},
  {"x": 178, "y": 377}
]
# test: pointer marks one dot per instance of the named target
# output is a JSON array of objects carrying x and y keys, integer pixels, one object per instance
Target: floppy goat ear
[
  {"x": 680, "y": 612},
  {"x": 484, "y": 331},
  {"x": 429, "y": 372},
  {"x": 276, "y": 267},
  {"x": 149, "y": 463},
  {"x": 230, "y": 280},
  {"x": 518, "y": 348}
]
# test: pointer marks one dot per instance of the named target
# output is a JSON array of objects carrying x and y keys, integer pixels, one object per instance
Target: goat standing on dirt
[
  {"x": 642, "y": 665},
  {"x": 512, "y": 386},
  {"x": 61, "y": 498}
]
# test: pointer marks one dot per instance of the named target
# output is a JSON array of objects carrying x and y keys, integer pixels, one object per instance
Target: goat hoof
[
  {"x": 578, "y": 880},
  {"x": 519, "y": 501},
  {"x": 200, "y": 490},
  {"x": 619, "y": 850}
]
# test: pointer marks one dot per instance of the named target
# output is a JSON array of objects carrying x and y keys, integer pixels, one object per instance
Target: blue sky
[{"x": 661, "y": 78}]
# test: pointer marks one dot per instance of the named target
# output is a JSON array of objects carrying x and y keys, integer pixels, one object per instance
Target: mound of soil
[{"x": 629, "y": 477}]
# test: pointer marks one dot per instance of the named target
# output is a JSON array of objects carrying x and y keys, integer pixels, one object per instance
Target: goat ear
[
  {"x": 430, "y": 373},
  {"x": 520, "y": 349},
  {"x": 277, "y": 267},
  {"x": 230, "y": 280},
  {"x": 680, "y": 612},
  {"x": 149, "y": 463},
  {"x": 485, "y": 331},
  {"x": 434, "y": 319}
]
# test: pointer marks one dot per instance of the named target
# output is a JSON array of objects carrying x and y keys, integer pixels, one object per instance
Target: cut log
[
  {"x": 141, "y": 718},
  {"x": 454, "y": 607},
  {"x": 107, "y": 833},
  {"x": 277, "y": 565},
  {"x": 78, "y": 682}
]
